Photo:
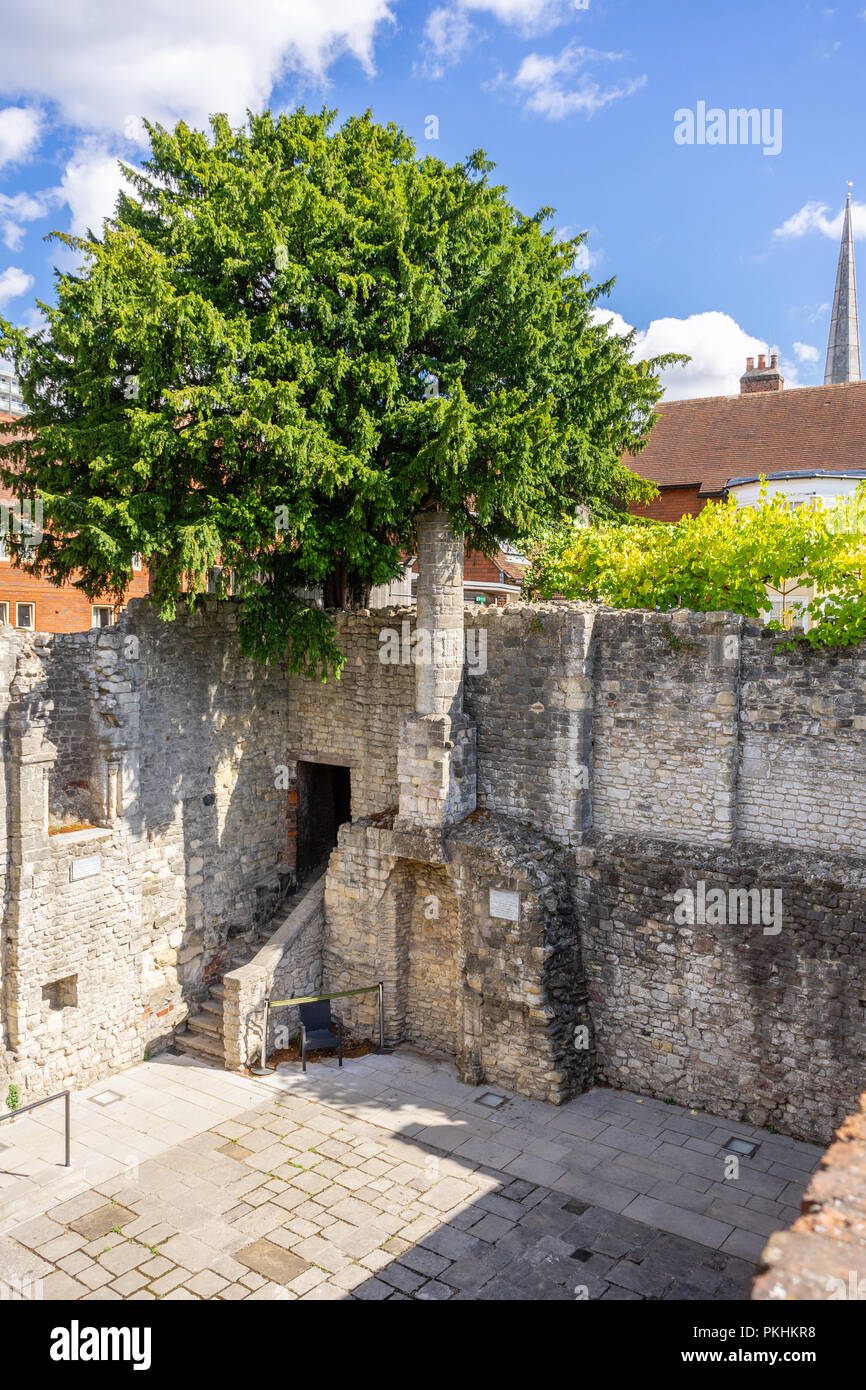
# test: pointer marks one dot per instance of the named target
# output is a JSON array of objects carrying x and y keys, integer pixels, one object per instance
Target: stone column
[
  {"x": 31, "y": 757},
  {"x": 436, "y": 760},
  {"x": 439, "y": 618}
]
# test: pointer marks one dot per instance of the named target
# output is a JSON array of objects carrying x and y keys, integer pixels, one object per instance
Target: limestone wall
[
  {"x": 662, "y": 749},
  {"x": 760, "y": 1020},
  {"x": 501, "y": 990},
  {"x": 532, "y": 705},
  {"x": 802, "y": 762},
  {"x": 355, "y": 721},
  {"x": 665, "y": 725},
  {"x": 166, "y": 742}
]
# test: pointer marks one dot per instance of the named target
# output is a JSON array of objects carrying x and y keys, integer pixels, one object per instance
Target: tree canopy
[
  {"x": 291, "y": 338},
  {"x": 728, "y": 557}
]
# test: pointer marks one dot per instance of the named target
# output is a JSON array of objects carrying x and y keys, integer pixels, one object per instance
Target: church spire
[{"x": 843, "y": 351}]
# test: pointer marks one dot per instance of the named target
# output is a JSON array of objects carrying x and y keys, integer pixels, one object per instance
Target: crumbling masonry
[{"x": 522, "y": 838}]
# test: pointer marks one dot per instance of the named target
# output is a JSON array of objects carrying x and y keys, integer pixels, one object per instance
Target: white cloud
[
  {"x": 615, "y": 322},
  {"x": 547, "y": 84},
  {"x": 13, "y": 282},
  {"x": 804, "y": 352},
  {"x": 585, "y": 258},
  {"x": 446, "y": 38},
  {"x": 813, "y": 217},
  {"x": 448, "y": 32},
  {"x": 18, "y": 208},
  {"x": 527, "y": 15},
  {"x": 716, "y": 343},
  {"x": 101, "y": 62},
  {"x": 20, "y": 129},
  {"x": 90, "y": 184}
]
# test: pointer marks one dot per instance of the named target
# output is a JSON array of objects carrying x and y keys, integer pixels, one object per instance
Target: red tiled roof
[{"x": 705, "y": 442}]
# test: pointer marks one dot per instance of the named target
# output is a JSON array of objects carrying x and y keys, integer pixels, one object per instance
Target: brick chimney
[{"x": 761, "y": 378}]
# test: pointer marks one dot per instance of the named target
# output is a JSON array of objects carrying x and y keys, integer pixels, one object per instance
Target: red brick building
[
  {"x": 27, "y": 602},
  {"x": 698, "y": 448}
]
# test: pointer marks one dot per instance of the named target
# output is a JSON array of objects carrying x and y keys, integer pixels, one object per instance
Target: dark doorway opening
[{"x": 324, "y": 804}]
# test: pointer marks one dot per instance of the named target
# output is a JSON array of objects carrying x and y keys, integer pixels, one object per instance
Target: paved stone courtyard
[{"x": 390, "y": 1179}]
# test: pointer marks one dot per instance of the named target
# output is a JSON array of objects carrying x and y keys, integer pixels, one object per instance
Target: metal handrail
[
  {"x": 34, "y": 1105},
  {"x": 315, "y": 999}
]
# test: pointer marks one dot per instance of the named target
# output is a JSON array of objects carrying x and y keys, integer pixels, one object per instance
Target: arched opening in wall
[{"x": 324, "y": 797}]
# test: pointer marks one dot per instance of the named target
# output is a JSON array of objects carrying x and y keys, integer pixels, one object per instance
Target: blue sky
[{"x": 719, "y": 250}]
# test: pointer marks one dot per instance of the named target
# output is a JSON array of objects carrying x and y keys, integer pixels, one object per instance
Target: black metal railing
[
  {"x": 34, "y": 1105},
  {"x": 314, "y": 999}
]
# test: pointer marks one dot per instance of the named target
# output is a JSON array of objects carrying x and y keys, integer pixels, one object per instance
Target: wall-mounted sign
[
  {"x": 505, "y": 905},
  {"x": 84, "y": 868}
]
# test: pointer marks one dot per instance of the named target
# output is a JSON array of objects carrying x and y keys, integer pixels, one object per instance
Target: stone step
[
  {"x": 217, "y": 991},
  {"x": 212, "y": 1006},
  {"x": 212, "y": 1024},
  {"x": 200, "y": 1045}
]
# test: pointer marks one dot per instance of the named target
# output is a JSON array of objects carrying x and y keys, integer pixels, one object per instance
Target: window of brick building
[
  {"x": 4, "y": 613},
  {"x": 101, "y": 616},
  {"x": 25, "y": 615}
]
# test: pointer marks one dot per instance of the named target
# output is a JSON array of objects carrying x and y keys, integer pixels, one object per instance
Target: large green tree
[{"x": 289, "y": 340}]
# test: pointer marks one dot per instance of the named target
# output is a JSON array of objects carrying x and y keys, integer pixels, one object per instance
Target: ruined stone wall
[
  {"x": 756, "y": 1017},
  {"x": 670, "y": 748},
  {"x": 355, "y": 721},
  {"x": 8, "y": 662},
  {"x": 75, "y": 791},
  {"x": 689, "y": 726},
  {"x": 665, "y": 724},
  {"x": 802, "y": 764},
  {"x": 213, "y": 734},
  {"x": 174, "y": 740},
  {"x": 532, "y": 704},
  {"x": 505, "y": 994},
  {"x": 430, "y": 913}
]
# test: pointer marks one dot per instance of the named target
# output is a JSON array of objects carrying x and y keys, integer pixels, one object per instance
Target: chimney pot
[
  {"x": 774, "y": 361},
  {"x": 762, "y": 362},
  {"x": 750, "y": 364}
]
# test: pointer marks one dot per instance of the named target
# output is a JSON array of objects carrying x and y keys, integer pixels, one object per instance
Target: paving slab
[
  {"x": 390, "y": 1181},
  {"x": 273, "y": 1263}
]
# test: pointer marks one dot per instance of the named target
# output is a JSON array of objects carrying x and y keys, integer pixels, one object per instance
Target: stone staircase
[{"x": 203, "y": 1034}]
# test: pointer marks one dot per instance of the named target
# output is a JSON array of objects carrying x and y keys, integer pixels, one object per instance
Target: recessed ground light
[
  {"x": 106, "y": 1098},
  {"x": 582, "y": 1255},
  {"x": 575, "y": 1207},
  {"x": 742, "y": 1147},
  {"x": 491, "y": 1101}
]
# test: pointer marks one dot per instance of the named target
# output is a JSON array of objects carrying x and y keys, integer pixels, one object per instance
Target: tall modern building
[
  {"x": 843, "y": 351},
  {"x": 10, "y": 395}
]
